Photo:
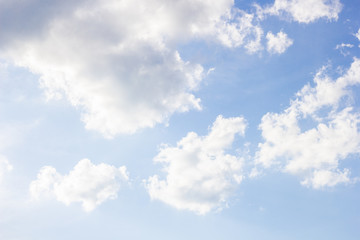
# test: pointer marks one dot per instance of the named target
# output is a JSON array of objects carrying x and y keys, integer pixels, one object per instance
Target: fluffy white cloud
[
  {"x": 87, "y": 183},
  {"x": 4, "y": 166},
  {"x": 116, "y": 60},
  {"x": 200, "y": 175},
  {"x": 321, "y": 178},
  {"x": 278, "y": 43},
  {"x": 314, "y": 153},
  {"x": 242, "y": 32},
  {"x": 304, "y": 11}
]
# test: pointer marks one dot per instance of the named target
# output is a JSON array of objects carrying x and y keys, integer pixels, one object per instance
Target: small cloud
[
  {"x": 278, "y": 43},
  {"x": 357, "y": 35},
  {"x": 254, "y": 173},
  {"x": 210, "y": 70},
  {"x": 87, "y": 183}
]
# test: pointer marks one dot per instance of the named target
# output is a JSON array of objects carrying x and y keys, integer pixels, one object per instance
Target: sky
[{"x": 179, "y": 119}]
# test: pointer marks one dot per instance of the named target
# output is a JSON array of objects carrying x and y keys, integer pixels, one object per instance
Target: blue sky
[{"x": 179, "y": 119}]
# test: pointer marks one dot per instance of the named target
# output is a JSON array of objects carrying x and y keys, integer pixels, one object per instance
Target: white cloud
[
  {"x": 4, "y": 167},
  {"x": 322, "y": 178},
  {"x": 200, "y": 175},
  {"x": 315, "y": 153},
  {"x": 342, "y": 48},
  {"x": 242, "y": 32},
  {"x": 278, "y": 43},
  {"x": 116, "y": 60},
  {"x": 87, "y": 183},
  {"x": 357, "y": 35},
  {"x": 303, "y": 11}
]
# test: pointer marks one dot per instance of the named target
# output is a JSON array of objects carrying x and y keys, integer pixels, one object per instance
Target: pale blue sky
[{"x": 142, "y": 84}]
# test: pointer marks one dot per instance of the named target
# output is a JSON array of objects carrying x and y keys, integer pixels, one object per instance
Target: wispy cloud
[{"x": 342, "y": 48}]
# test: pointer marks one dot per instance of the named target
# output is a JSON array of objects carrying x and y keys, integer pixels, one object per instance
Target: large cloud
[
  {"x": 87, "y": 183},
  {"x": 116, "y": 60},
  {"x": 200, "y": 174},
  {"x": 303, "y": 11},
  {"x": 315, "y": 153}
]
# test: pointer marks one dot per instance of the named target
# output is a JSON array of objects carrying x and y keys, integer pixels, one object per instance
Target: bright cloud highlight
[
  {"x": 200, "y": 175},
  {"x": 87, "y": 183}
]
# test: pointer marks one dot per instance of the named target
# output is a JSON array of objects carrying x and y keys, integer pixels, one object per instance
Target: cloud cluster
[
  {"x": 278, "y": 43},
  {"x": 304, "y": 11},
  {"x": 200, "y": 175},
  {"x": 116, "y": 60},
  {"x": 87, "y": 183},
  {"x": 318, "y": 130}
]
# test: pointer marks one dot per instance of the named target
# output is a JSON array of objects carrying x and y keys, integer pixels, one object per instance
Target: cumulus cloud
[
  {"x": 317, "y": 131},
  {"x": 116, "y": 60},
  {"x": 278, "y": 43},
  {"x": 200, "y": 174},
  {"x": 241, "y": 33},
  {"x": 87, "y": 183},
  {"x": 4, "y": 166},
  {"x": 304, "y": 11}
]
